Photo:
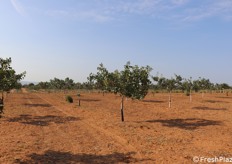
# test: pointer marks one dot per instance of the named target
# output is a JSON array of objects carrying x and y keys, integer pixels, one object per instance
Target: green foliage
[
  {"x": 168, "y": 84},
  {"x": 101, "y": 79},
  {"x": 60, "y": 84},
  {"x": 187, "y": 85},
  {"x": 222, "y": 86},
  {"x": 201, "y": 84},
  {"x": 8, "y": 77},
  {"x": 18, "y": 85},
  {"x": 44, "y": 85},
  {"x": 132, "y": 82},
  {"x": 69, "y": 99}
]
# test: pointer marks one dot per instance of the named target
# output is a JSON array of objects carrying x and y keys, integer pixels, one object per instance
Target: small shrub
[
  {"x": 69, "y": 99},
  {"x": 78, "y": 94},
  {"x": 187, "y": 93}
]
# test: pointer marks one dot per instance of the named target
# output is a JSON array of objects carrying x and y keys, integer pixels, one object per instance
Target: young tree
[
  {"x": 68, "y": 83},
  {"x": 221, "y": 87},
  {"x": 187, "y": 86},
  {"x": 168, "y": 84},
  {"x": 43, "y": 85},
  {"x": 90, "y": 84},
  {"x": 56, "y": 83},
  {"x": 132, "y": 82},
  {"x": 202, "y": 84},
  {"x": 8, "y": 78},
  {"x": 101, "y": 78}
]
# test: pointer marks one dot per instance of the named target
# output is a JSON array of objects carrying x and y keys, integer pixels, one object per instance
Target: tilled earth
[{"x": 41, "y": 127}]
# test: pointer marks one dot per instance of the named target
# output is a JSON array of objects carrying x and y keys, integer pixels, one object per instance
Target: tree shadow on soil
[
  {"x": 51, "y": 157},
  {"x": 89, "y": 100},
  {"x": 224, "y": 97},
  {"x": 153, "y": 101},
  {"x": 207, "y": 108},
  {"x": 216, "y": 101},
  {"x": 38, "y": 105},
  {"x": 187, "y": 124},
  {"x": 42, "y": 120}
]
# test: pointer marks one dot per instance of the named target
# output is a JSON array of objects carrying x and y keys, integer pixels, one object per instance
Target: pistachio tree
[
  {"x": 8, "y": 78},
  {"x": 168, "y": 84},
  {"x": 187, "y": 86},
  {"x": 202, "y": 84},
  {"x": 101, "y": 78},
  {"x": 132, "y": 82}
]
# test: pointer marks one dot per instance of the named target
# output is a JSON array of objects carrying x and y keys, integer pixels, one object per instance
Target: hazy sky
[{"x": 70, "y": 38}]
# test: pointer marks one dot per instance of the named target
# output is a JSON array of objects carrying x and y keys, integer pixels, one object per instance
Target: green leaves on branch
[
  {"x": 168, "y": 84},
  {"x": 56, "y": 83},
  {"x": 196, "y": 85},
  {"x": 179, "y": 83},
  {"x": 132, "y": 82},
  {"x": 202, "y": 84},
  {"x": 8, "y": 77}
]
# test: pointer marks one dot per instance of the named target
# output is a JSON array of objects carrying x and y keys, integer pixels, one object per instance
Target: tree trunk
[
  {"x": 2, "y": 97},
  {"x": 122, "y": 108},
  {"x": 190, "y": 95},
  {"x": 170, "y": 99},
  {"x": 1, "y": 105},
  {"x": 79, "y": 102}
]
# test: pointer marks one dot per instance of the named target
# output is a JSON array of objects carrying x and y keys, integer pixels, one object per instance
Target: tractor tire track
[
  {"x": 40, "y": 135},
  {"x": 50, "y": 134},
  {"x": 99, "y": 133}
]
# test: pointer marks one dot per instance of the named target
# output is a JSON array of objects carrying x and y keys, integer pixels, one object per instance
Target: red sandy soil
[{"x": 41, "y": 127}]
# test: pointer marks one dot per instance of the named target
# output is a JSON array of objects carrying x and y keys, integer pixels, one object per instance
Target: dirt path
[
  {"x": 99, "y": 133},
  {"x": 50, "y": 134}
]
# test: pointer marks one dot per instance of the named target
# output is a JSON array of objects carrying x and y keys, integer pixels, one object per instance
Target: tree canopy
[
  {"x": 168, "y": 84},
  {"x": 8, "y": 77},
  {"x": 132, "y": 82}
]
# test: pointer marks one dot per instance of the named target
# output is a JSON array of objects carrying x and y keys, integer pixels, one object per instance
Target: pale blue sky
[{"x": 70, "y": 38}]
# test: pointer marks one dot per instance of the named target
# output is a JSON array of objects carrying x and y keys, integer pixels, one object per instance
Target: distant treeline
[
  {"x": 159, "y": 83},
  {"x": 59, "y": 84}
]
